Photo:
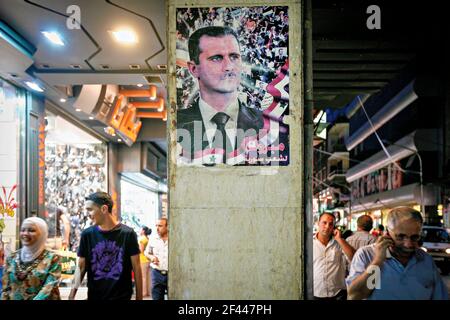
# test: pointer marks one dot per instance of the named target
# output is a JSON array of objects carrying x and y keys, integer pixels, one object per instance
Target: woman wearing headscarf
[{"x": 32, "y": 272}]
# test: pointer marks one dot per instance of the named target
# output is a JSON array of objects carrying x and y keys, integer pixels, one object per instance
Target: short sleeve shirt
[
  {"x": 418, "y": 280},
  {"x": 329, "y": 264},
  {"x": 108, "y": 261}
]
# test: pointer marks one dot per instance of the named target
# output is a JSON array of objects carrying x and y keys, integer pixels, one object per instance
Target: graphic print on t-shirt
[{"x": 107, "y": 260}]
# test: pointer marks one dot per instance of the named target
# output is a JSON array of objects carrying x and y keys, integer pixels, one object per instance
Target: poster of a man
[{"x": 232, "y": 101}]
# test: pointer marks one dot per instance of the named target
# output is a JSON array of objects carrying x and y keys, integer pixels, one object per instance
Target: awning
[
  {"x": 405, "y": 195},
  {"x": 399, "y": 102},
  {"x": 419, "y": 140},
  {"x": 398, "y": 150}
]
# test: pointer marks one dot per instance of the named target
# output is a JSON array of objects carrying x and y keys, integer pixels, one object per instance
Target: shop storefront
[
  {"x": 12, "y": 106},
  {"x": 140, "y": 204},
  {"x": 75, "y": 166}
]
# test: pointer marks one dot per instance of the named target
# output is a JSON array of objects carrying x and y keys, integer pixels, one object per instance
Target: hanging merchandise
[{"x": 75, "y": 166}]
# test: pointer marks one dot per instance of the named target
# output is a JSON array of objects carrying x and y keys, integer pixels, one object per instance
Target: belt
[{"x": 163, "y": 272}]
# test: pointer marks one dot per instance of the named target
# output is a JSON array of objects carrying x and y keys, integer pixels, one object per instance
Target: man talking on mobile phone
[
  {"x": 395, "y": 268},
  {"x": 330, "y": 255}
]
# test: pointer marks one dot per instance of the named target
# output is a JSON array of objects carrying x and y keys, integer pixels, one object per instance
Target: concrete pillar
[{"x": 235, "y": 232}]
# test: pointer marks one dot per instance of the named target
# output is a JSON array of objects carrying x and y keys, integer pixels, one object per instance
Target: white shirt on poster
[{"x": 209, "y": 112}]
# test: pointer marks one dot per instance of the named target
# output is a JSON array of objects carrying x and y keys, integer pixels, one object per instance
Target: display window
[
  {"x": 12, "y": 104},
  {"x": 139, "y": 205},
  {"x": 75, "y": 166}
]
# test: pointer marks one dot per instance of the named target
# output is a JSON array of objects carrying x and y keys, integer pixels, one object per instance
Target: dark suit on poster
[{"x": 248, "y": 119}]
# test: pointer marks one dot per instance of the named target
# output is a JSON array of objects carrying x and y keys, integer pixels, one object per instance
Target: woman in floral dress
[{"x": 32, "y": 273}]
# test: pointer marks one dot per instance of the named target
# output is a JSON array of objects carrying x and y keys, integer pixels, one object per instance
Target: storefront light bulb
[
  {"x": 34, "y": 86},
  {"x": 62, "y": 100},
  {"x": 424, "y": 249},
  {"x": 91, "y": 118},
  {"x": 139, "y": 85},
  {"x": 78, "y": 110},
  {"x": 447, "y": 251}
]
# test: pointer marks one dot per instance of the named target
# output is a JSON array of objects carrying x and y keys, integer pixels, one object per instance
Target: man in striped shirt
[{"x": 362, "y": 237}]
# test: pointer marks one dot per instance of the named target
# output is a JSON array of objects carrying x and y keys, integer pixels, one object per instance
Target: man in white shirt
[
  {"x": 330, "y": 255},
  {"x": 157, "y": 251}
]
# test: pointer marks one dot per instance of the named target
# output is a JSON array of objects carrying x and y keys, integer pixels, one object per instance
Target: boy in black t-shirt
[{"x": 108, "y": 252}]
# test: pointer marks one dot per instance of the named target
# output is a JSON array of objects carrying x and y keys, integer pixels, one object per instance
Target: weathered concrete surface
[
  {"x": 235, "y": 254},
  {"x": 236, "y": 232}
]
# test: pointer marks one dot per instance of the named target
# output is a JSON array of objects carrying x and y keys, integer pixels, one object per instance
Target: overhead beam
[
  {"x": 336, "y": 66},
  {"x": 363, "y": 56},
  {"x": 360, "y": 44},
  {"x": 353, "y": 75},
  {"x": 348, "y": 83},
  {"x": 339, "y": 91}
]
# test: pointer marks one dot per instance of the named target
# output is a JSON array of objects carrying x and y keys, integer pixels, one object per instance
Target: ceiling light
[
  {"x": 54, "y": 37},
  {"x": 125, "y": 36},
  {"x": 91, "y": 118},
  {"x": 119, "y": 140},
  {"x": 62, "y": 100},
  {"x": 34, "y": 86},
  {"x": 139, "y": 85},
  {"x": 78, "y": 110}
]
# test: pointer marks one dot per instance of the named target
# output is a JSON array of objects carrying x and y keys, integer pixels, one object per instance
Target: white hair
[{"x": 399, "y": 214}]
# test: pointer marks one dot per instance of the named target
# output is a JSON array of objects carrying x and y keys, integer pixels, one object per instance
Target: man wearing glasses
[{"x": 395, "y": 268}]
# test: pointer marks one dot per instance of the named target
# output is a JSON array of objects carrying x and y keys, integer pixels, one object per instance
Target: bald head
[{"x": 364, "y": 223}]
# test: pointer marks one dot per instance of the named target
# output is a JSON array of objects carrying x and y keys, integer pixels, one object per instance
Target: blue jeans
[{"x": 159, "y": 285}]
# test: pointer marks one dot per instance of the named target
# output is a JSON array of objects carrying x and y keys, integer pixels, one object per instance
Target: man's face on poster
[{"x": 220, "y": 65}]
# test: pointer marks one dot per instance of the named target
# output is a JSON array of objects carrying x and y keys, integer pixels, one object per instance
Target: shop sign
[
  {"x": 384, "y": 179},
  {"x": 393, "y": 176},
  {"x": 41, "y": 146},
  {"x": 124, "y": 120}
]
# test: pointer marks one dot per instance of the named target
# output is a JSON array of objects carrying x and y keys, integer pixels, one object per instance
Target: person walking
[
  {"x": 157, "y": 252},
  {"x": 330, "y": 255},
  {"x": 395, "y": 268},
  {"x": 109, "y": 253},
  {"x": 145, "y": 263},
  {"x": 32, "y": 272},
  {"x": 362, "y": 237}
]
